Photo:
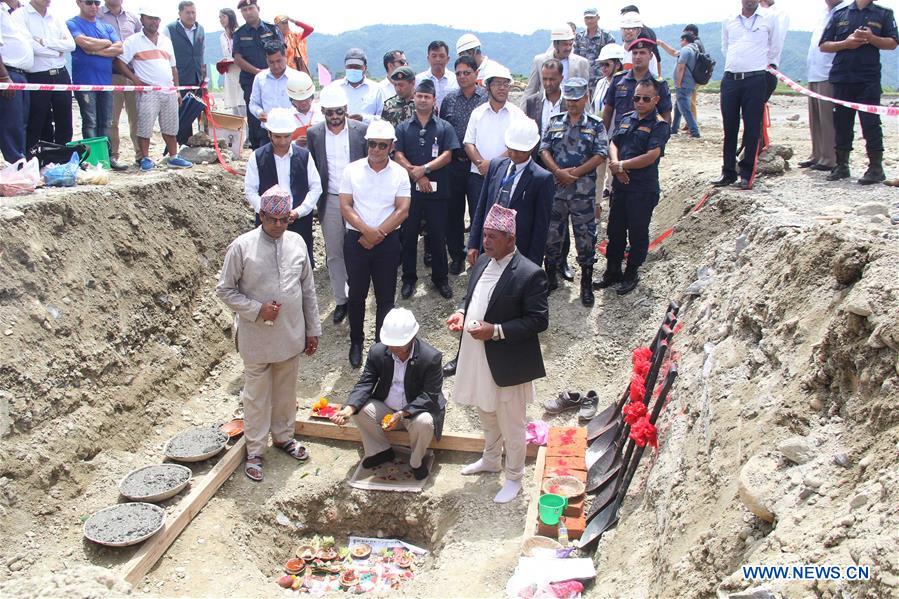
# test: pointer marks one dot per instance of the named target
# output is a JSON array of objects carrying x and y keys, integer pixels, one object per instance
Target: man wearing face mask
[
  {"x": 572, "y": 65},
  {"x": 366, "y": 101}
]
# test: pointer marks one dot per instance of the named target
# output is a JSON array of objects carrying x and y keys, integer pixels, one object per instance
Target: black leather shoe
[
  {"x": 552, "y": 279},
  {"x": 807, "y": 163},
  {"x": 744, "y": 184},
  {"x": 355, "y": 355},
  {"x": 566, "y": 272},
  {"x": 457, "y": 266},
  {"x": 628, "y": 284},
  {"x": 427, "y": 258},
  {"x": 420, "y": 473},
  {"x": 407, "y": 290},
  {"x": 723, "y": 180},
  {"x": 821, "y": 167},
  {"x": 339, "y": 313},
  {"x": 444, "y": 289},
  {"x": 449, "y": 369},
  {"x": 608, "y": 279},
  {"x": 378, "y": 459}
]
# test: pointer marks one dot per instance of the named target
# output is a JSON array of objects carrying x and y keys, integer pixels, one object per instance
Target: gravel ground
[
  {"x": 123, "y": 523},
  {"x": 154, "y": 480}
]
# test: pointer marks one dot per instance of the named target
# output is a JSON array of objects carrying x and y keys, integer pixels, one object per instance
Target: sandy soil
[{"x": 794, "y": 335}]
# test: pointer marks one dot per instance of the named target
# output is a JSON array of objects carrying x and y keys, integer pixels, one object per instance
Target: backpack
[{"x": 704, "y": 67}]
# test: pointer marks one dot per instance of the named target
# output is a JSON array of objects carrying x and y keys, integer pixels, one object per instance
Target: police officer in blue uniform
[
  {"x": 857, "y": 33},
  {"x": 574, "y": 145},
  {"x": 634, "y": 154},
  {"x": 620, "y": 96}
]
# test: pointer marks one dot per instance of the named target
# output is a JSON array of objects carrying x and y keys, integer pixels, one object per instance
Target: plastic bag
[
  {"x": 93, "y": 175},
  {"x": 20, "y": 178},
  {"x": 537, "y": 432},
  {"x": 62, "y": 175}
]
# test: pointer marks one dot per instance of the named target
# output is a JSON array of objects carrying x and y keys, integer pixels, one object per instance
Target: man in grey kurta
[{"x": 266, "y": 280}]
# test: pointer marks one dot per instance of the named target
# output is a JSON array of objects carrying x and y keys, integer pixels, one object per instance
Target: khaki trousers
[
  {"x": 506, "y": 429},
  {"x": 334, "y": 230},
  {"x": 820, "y": 122},
  {"x": 128, "y": 100},
  {"x": 269, "y": 403},
  {"x": 374, "y": 441}
]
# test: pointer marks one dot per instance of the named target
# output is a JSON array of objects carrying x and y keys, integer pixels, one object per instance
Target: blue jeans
[
  {"x": 96, "y": 113},
  {"x": 12, "y": 123},
  {"x": 684, "y": 95}
]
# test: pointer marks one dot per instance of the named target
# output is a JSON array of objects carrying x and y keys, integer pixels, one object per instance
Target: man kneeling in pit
[{"x": 400, "y": 387}]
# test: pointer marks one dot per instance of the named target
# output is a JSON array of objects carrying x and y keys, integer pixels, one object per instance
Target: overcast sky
[{"x": 523, "y": 17}]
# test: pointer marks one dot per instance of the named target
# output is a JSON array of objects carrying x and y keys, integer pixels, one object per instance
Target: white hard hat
[
  {"x": 300, "y": 86},
  {"x": 150, "y": 10},
  {"x": 495, "y": 70},
  {"x": 562, "y": 33},
  {"x": 333, "y": 96},
  {"x": 522, "y": 134},
  {"x": 612, "y": 52},
  {"x": 467, "y": 41},
  {"x": 631, "y": 20},
  {"x": 281, "y": 121},
  {"x": 399, "y": 328},
  {"x": 380, "y": 129}
]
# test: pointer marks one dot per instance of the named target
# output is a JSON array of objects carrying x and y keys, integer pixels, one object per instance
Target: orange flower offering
[
  {"x": 320, "y": 404},
  {"x": 386, "y": 421}
]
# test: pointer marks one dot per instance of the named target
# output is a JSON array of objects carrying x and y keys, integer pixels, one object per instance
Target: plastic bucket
[
  {"x": 550, "y": 508},
  {"x": 98, "y": 150}
]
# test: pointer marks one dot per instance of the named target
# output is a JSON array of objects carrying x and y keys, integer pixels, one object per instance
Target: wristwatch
[{"x": 427, "y": 169}]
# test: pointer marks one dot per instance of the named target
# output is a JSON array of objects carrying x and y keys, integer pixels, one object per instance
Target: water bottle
[{"x": 563, "y": 533}]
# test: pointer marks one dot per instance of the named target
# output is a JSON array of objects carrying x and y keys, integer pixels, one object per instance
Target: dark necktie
[{"x": 505, "y": 188}]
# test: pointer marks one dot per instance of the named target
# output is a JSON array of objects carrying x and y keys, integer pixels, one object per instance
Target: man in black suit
[
  {"x": 499, "y": 353},
  {"x": 333, "y": 144},
  {"x": 517, "y": 182},
  {"x": 189, "y": 42},
  {"x": 403, "y": 379}
]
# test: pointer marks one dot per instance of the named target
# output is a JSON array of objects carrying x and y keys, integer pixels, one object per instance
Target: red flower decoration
[
  {"x": 638, "y": 389},
  {"x": 643, "y": 433},
  {"x": 633, "y": 412},
  {"x": 641, "y": 354}
]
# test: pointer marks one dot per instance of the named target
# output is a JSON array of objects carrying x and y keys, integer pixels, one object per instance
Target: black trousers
[
  {"x": 303, "y": 228},
  {"x": 844, "y": 118},
  {"x": 455, "y": 226},
  {"x": 435, "y": 213},
  {"x": 742, "y": 98},
  {"x": 185, "y": 130},
  {"x": 49, "y": 111},
  {"x": 254, "y": 127},
  {"x": 630, "y": 213},
  {"x": 375, "y": 267}
]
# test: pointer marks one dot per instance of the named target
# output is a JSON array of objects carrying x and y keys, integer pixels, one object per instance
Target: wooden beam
[
  {"x": 201, "y": 492},
  {"x": 530, "y": 523},
  {"x": 466, "y": 442}
]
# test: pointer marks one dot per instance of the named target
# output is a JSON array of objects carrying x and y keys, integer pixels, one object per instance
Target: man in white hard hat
[
  {"x": 270, "y": 85},
  {"x": 334, "y": 144},
  {"x": 632, "y": 28},
  {"x": 281, "y": 162},
  {"x": 402, "y": 378},
  {"x": 374, "y": 199},
  {"x": 468, "y": 44},
  {"x": 301, "y": 91},
  {"x": 572, "y": 65}
]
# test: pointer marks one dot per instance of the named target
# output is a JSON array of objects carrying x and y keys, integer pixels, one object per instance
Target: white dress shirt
[
  {"x": 487, "y": 129},
  {"x": 190, "y": 33},
  {"x": 396, "y": 397},
  {"x": 443, "y": 85},
  {"x": 782, "y": 19},
  {"x": 750, "y": 44},
  {"x": 268, "y": 92},
  {"x": 282, "y": 167},
  {"x": 819, "y": 62},
  {"x": 374, "y": 192},
  {"x": 365, "y": 99},
  {"x": 337, "y": 150},
  {"x": 55, "y": 38},
  {"x": 549, "y": 109},
  {"x": 387, "y": 89},
  {"x": 15, "y": 43}
]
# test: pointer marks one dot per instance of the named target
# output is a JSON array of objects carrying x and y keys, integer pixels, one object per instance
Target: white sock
[
  {"x": 509, "y": 491},
  {"x": 477, "y": 467}
]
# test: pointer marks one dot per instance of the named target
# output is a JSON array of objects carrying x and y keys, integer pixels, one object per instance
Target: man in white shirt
[
  {"x": 16, "y": 57},
  {"x": 364, "y": 95},
  {"x": 438, "y": 56},
  {"x": 393, "y": 59},
  {"x": 270, "y": 85},
  {"x": 782, "y": 19},
  {"x": 375, "y": 195},
  {"x": 148, "y": 59},
  {"x": 51, "y": 41},
  {"x": 281, "y": 162},
  {"x": 750, "y": 42},
  {"x": 486, "y": 132}
]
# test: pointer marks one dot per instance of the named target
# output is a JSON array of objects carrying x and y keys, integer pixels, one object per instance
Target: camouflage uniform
[
  {"x": 589, "y": 48},
  {"x": 396, "y": 110},
  {"x": 572, "y": 146}
]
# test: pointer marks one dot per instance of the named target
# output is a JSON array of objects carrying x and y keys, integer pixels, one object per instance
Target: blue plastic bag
[{"x": 63, "y": 175}]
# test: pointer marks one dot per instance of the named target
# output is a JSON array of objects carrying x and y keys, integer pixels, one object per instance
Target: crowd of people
[{"x": 380, "y": 163}]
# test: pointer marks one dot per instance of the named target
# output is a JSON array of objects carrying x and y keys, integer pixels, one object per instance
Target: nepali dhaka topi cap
[
  {"x": 275, "y": 201},
  {"x": 501, "y": 218}
]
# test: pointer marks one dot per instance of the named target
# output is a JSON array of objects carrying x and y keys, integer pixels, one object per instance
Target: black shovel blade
[
  {"x": 603, "y": 444},
  {"x": 603, "y": 521},
  {"x": 607, "y": 491},
  {"x": 598, "y": 473},
  {"x": 599, "y": 421}
]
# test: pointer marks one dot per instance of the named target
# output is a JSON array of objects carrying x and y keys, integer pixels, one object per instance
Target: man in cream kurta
[
  {"x": 267, "y": 280},
  {"x": 499, "y": 354}
]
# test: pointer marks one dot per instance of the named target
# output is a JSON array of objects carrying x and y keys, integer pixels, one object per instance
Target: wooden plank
[
  {"x": 154, "y": 548},
  {"x": 466, "y": 442},
  {"x": 531, "y": 519}
]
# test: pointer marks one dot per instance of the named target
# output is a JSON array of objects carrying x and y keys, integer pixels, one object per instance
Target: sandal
[
  {"x": 253, "y": 468},
  {"x": 294, "y": 450}
]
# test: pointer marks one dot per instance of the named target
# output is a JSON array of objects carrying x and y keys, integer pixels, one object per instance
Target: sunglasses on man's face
[
  {"x": 401, "y": 62},
  {"x": 335, "y": 111},
  {"x": 378, "y": 144},
  {"x": 91, "y": 2},
  {"x": 463, "y": 73},
  {"x": 646, "y": 99},
  {"x": 605, "y": 65}
]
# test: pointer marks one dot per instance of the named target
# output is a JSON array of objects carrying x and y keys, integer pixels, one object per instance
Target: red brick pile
[{"x": 565, "y": 453}]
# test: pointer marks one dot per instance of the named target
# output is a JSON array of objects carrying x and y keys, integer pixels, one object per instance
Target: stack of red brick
[{"x": 565, "y": 456}]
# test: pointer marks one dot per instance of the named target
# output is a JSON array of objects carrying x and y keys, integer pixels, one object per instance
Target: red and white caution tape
[
  {"x": 883, "y": 110},
  {"x": 58, "y": 87}
]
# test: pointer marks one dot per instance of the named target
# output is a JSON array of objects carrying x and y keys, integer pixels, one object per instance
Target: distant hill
[{"x": 516, "y": 51}]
